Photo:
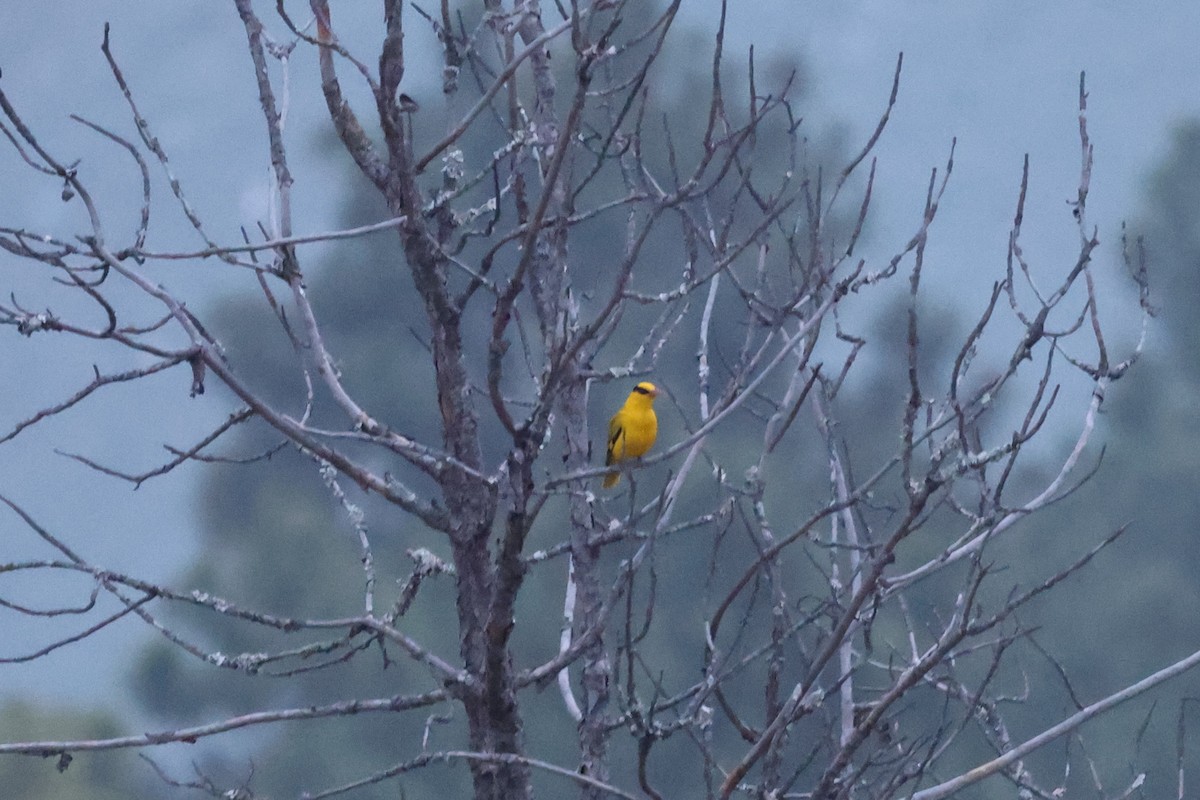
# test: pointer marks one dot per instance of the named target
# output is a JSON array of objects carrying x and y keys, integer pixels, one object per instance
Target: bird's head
[{"x": 646, "y": 388}]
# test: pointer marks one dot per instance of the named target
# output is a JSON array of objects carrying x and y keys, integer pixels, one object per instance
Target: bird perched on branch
[{"x": 632, "y": 430}]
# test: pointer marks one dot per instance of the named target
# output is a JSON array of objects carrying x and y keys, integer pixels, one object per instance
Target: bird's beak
[{"x": 654, "y": 392}]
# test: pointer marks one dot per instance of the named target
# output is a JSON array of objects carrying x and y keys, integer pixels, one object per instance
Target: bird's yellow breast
[{"x": 634, "y": 430}]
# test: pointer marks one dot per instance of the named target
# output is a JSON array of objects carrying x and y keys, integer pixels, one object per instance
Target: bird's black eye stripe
[{"x": 641, "y": 390}]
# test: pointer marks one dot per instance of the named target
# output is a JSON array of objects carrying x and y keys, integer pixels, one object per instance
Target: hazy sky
[{"x": 1002, "y": 77}]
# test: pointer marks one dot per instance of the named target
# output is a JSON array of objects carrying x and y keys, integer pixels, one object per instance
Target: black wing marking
[{"x": 612, "y": 444}]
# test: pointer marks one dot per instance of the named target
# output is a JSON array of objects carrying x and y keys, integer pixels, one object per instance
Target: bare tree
[{"x": 856, "y": 630}]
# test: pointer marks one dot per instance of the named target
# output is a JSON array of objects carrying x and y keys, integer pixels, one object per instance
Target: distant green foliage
[
  {"x": 1136, "y": 607},
  {"x": 86, "y": 776}
]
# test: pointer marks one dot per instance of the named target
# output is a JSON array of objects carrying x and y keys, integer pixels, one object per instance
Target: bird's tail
[{"x": 610, "y": 480}]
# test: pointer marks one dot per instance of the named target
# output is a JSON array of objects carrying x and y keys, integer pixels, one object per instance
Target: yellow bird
[{"x": 632, "y": 430}]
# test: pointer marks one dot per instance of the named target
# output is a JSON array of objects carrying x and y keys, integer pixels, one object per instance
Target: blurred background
[{"x": 1003, "y": 79}]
